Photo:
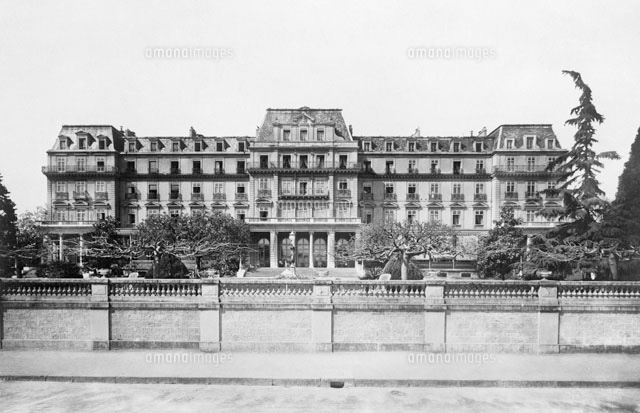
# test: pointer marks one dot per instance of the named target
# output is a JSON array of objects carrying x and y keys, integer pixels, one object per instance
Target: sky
[{"x": 99, "y": 62}]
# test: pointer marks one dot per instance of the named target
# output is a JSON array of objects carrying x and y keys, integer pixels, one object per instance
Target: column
[
  {"x": 331, "y": 249},
  {"x": 310, "y": 249},
  {"x": 273, "y": 249},
  {"x": 548, "y": 318},
  {"x": 60, "y": 247},
  {"x": 81, "y": 248}
]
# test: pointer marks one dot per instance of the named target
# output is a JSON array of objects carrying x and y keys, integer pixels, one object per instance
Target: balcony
[
  {"x": 304, "y": 195},
  {"x": 458, "y": 171},
  {"x": 511, "y": 195},
  {"x": 218, "y": 171},
  {"x": 175, "y": 171},
  {"x": 457, "y": 197},
  {"x": 131, "y": 171},
  {"x": 75, "y": 169},
  {"x": 242, "y": 197},
  {"x": 480, "y": 197},
  {"x": 101, "y": 196},
  {"x": 389, "y": 170},
  {"x": 481, "y": 171},
  {"x": 264, "y": 193},
  {"x": 196, "y": 171},
  {"x": 175, "y": 196},
  {"x": 435, "y": 197},
  {"x": 367, "y": 196},
  {"x": 520, "y": 169},
  {"x": 434, "y": 171},
  {"x": 531, "y": 195},
  {"x": 220, "y": 196},
  {"x": 309, "y": 165},
  {"x": 131, "y": 196},
  {"x": 154, "y": 170},
  {"x": 413, "y": 197},
  {"x": 413, "y": 171},
  {"x": 344, "y": 193},
  {"x": 80, "y": 195},
  {"x": 61, "y": 196},
  {"x": 153, "y": 196},
  {"x": 197, "y": 197},
  {"x": 390, "y": 197}
]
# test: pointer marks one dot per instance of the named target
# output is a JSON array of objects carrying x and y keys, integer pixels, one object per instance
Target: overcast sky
[{"x": 76, "y": 62}]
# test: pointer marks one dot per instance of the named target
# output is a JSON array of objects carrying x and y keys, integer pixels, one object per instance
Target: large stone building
[{"x": 303, "y": 172}]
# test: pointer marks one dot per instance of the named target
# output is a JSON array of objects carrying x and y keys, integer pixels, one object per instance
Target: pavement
[{"x": 348, "y": 369}]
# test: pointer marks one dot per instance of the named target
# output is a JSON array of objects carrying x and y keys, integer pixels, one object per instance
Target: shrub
[{"x": 59, "y": 269}]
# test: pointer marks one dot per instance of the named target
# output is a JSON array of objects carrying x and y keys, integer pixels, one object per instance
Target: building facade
[{"x": 302, "y": 177}]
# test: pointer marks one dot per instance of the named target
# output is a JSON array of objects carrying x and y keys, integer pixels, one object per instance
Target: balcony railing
[
  {"x": 510, "y": 195},
  {"x": 520, "y": 168},
  {"x": 304, "y": 165},
  {"x": 457, "y": 197},
  {"x": 154, "y": 170},
  {"x": 389, "y": 170},
  {"x": 197, "y": 197},
  {"x": 80, "y": 195},
  {"x": 220, "y": 196},
  {"x": 242, "y": 197},
  {"x": 101, "y": 196},
  {"x": 175, "y": 171},
  {"x": 153, "y": 196},
  {"x": 479, "y": 197},
  {"x": 480, "y": 171},
  {"x": 367, "y": 196},
  {"x": 241, "y": 170},
  {"x": 390, "y": 197},
  {"x": 196, "y": 171},
  {"x": 264, "y": 193},
  {"x": 175, "y": 196},
  {"x": 344, "y": 192},
  {"x": 413, "y": 170},
  {"x": 61, "y": 196},
  {"x": 413, "y": 197},
  {"x": 304, "y": 194},
  {"x": 435, "y": 171},
  {"x": 532, "y": 195},
  {"x": 131, "y": 195},
  {"x": 218, "y": 171},
  {"x": 79, "y": 169},
  {"x": 435, "y": 197}
]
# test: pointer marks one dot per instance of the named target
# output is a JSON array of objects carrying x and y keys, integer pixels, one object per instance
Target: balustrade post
[
  {"x": 322, "y": 316},
  {"x": 434, "y": 318},
  {"x": 99, "y": 314},
  {"x": 548, "y": 318},
  {"x": 210, "y": 316}
]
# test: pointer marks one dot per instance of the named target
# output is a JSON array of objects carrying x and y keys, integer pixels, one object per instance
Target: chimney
[
  {"x": 471, "y": 133},
  {"x": 351, "y": 130},
  {"x": 121, "y": 129},
  {"x": 483, "y": 132},
  {"x": 192, "y": 132}
]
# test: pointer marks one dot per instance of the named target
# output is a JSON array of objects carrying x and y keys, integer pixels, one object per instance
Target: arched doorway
[
  {"x": 319, "y": 253},
  {"x": 263, "y": 252},
  {"x": 284, "y": 252},
  {"x": 302, "y": 251}
]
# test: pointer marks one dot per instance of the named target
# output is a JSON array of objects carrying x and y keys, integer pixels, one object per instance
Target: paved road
[{"x": 92, "y": 397}]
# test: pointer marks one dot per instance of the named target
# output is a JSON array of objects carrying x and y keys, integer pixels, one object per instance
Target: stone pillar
[
  {"x": 60, "y": 247},
  {"x": 311, "y": 249},
  {"x": 434, "y": 319},
  {"x": 81, "y": 248},
  {"x": 273, "y": 249},
  {"x": 331, "y": 249},
  {"x": 99, "y": 314},
  {"x": 548, "y": 319},
  {"x": 210, "y": 316},
  {"x": 322, "y": 316}
]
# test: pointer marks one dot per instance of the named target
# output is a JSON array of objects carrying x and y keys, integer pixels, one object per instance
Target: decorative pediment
[
  {"x": 480, "y": 205},
  {"x": 240, "y": 205},
  {"x": 367, "y": 204},
  {"x": 219, "y": 205},
  {"x": 435, "y": 205},
  {"x": 413, "y": 205},
  {"x": 175, "y": 204},
  {"x": 458, "y": 205},
  {"x": 152, "y": 204},
  {"x": 390, "y": 205}
]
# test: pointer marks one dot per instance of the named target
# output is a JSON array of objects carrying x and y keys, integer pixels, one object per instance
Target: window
[
  {"x": 389, "y": 188},
  {"x": 101, "y": 186},
  {"x": 530, "y": 216},
  {"x": 479, "y": 166},
  {"x": 509, "y": 144},
  {"x": 550, "y": 160},
  {"x": 153, "y": 191},
  {"x": 412, "y": 166},
  {"x": 434, "y": 188},
  {"x": 366, "y": 188},
  {"x": 196, "y": 189},
  {"x": 511, "y": 164},
  {"x": 530, "y": 142},
  {"x": 434, "y": 166},
  {"x": 549, "y": 143},
  {"x": 175, "y": 146},
  {"x": 531, "y": 163},
  {"x": 264, "y": 161},
  {"x": 368, "y": 216},
  {"x": 154, "y": 146},
  {"x": 303, "y": 187},
  {"x": 102, "y": 143},
  {"x": 61, "y": 187},
  {"x": 342, "y": 184},
  {"x": 389, "y": 215},
  {"x": 511, "y": 187},
  {"x": 434, "y": 147},
  {"x": 320, "y": 187},
  {"x": 434, "y": 215},
  {"x": 81, "y": 187},
  {"x": 303, "y": 134},
  {"x": 197, "y": 146},
  {"x": 456, "y": 188},
  {"x": 264, "y": 213},
  {"x": 263, "y": 184},
  {"x": 131, "y": 166},
  {"x": 218, "y": 167},
  {"x": 304, "y": 160},
  {"x": 456, "y": 146},
  {"x": 101, "y": 214},
  {"x": 551, "y": 185},
  {"x": 478, "y": 146},
  {"x": 100, "y": 165},
  {"x": 286, "y": 135},
  {"x": 343, "y": 161},
  {"x": 455, "y": 218},
  {"x": 153, "y": 167},
  {"x": 366, "y": 146},
  {"x": 319, "y": 161},
  {"x": 82, "y": 143},
  {"x": 61, "y": 164},
  {"x": 389, "y": 146},
  {"x": 81, "y": 164},
  {"x": 152, "y": 211},
  {"x": 240, "y": 146},
  {"x": 175, "y": 190},
  {"x": 390, "y": 167},
  {"x": 81, "y": 215},
  {"x": 479, "y": 188},
  {"x": 286, "y": 161},
  {"x": 479, "y": 218},
  {"x": 240, "y": 167},
  {"x": 531, "y": 188},
  {"x": 412, "y": 215},
  {"x": 457, "y": 167},
  {"x": 174, "y": 212},
  {"x": 218, "y": 188},
  {"x": 61, "y": 215},
  {"x": 411, "y": 188},
  {"x": 63, "y": 143},
  {"x": 240, "y": 189},
  {"x": 196, "y": 167},
  {"x": 132, "y": 216},
  {"x": 240, "y": 215},
  {"x": 219, "y": 146},
  {"x": 412, "y": 146},
  {"x": 320, "y": 134},
  {"x": 132, "y": 146}
]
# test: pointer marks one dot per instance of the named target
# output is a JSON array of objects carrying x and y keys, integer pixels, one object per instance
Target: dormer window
[
  {"x": 434, "y": 146},
  {"x": 412, "y": 147},
  {"x": 175, "y": 146},
  {"x": 219, "y": 147},
  {"x": 509, "y": 144},
  {"x": 286, "y": 135},
  {"x": 530, "y": 141},
  {"x": 102, "y": 143},
  {"x": 82, "y": 143},
  {"x": 303, "y": 134},
  {"x": 197, "y": 146},
  {"x": 63, "y": 143},
  {"x": 132, "y": 146},
  {"x": 320, "y": 134},
  {"x": 366, "y": 146},
  {"x": 549, "y": 143},
  {"x": 478, "y": 146},
  {"x": 456, "y": 146},
  {"x": 154, "y": 146},
  {"x": 389, "y": 146},
  {"x": 240, "y": 146}
]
